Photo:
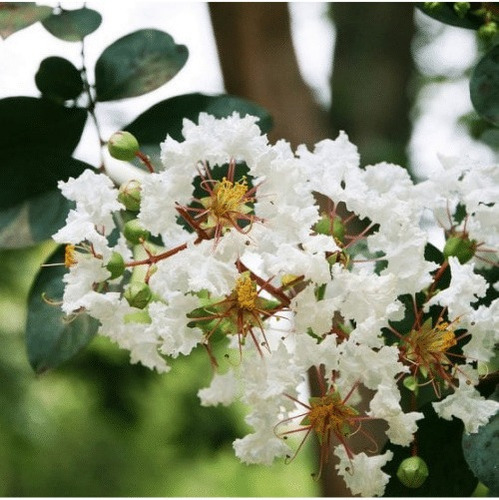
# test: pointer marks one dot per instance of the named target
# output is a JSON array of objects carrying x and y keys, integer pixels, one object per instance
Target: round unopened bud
[
  {"x": 134, "y": 232},
  {"x": 123, "y": 146},
  {"x": 116, "y": 265},
  {"x": 487, "y": 31},
  {"x": 130, "y": 195},
  {"x": 461, "y": 8},
  {"x": 138, "y": 295},
  {"x": 412, "y": 472},
  {"x": 461, "y": 247}
]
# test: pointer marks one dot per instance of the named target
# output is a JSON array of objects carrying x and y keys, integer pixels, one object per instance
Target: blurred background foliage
[{"x": 99, "y": 426}]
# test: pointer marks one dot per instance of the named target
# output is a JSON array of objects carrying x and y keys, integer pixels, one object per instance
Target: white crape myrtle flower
[
  {"x": 362, "y": 473},
  {"x": 386, "y": 405},
  {"x": 91, "y": 220},
  {"x": 465, "y": 288},
  {"x": 466, "y": 403},
  {"x": 483, "y": 324},
  {"x": 80, "y": 283},
  {"x": 224, "y": 390}
]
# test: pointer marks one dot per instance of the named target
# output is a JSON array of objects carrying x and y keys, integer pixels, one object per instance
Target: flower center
[
  {"x": 246, "y": 293},
  {"x": 429, "y": 345},
  {"x": 227, "y": 197},
  {"x": 329, "y": 413}
]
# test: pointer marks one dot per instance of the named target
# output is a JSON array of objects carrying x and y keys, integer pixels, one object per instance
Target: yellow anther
[
  {"x": 70, "y": 256},
  {"x": 246, "y": 293},
  {"x": 228, "y": 196},
  {"x": 329, "y": 413}
]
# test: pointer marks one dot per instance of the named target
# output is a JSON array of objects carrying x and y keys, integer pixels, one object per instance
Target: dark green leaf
[
  {"x": 137, "y": 63},
  {"x": 166, "y": 117},
  {"x": 445, "y": 13},
  {"x": 481, "y": 449},
  {"x": 59, "y": 79},
  {"x": 15, "y": 16},
  {"x": 439, "y": 445},
  {"x": 484, "y": 86},
  {"x": 73, "y": 25},
  {"x": 37, "y": 147},
  {"x": 51, "y": 337},
  {"x": 34, "y": 220}
]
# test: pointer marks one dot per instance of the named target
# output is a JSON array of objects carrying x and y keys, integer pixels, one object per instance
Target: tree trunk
[
  {"x": 259, "y": 63},
  {"x": 372, "y": 71}
]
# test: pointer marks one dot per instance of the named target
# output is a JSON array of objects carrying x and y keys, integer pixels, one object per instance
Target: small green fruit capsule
[
  {"x": 461, "y": 8},
  {"x": 323, "y": 226},
  {"x": 130, "y": 195},
  {"x": 461, "y": 247},
  {"x": 116, "y": 265},
  {"x": 134, "y": 232},
  {"x": 138, "y": 295},
  {"x": 123, "y": 146},
  {"x": 412, "y": 472},
  {"x": 487, "y": 31},
  {"x": 432, "y": 6}
]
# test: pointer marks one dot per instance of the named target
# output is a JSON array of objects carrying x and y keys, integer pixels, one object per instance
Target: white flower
[
  {"x": 386, "y": 405},
  {"x": 261, "y": 447},
  {"x": 363, "y": 474},
  {"x": 465, "y": 288},
  {"x": 222, "y": 390}
]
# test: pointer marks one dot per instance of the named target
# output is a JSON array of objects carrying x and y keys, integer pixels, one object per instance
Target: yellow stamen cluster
[
  {"x": 70, "y": 256},
  {"x": 228, "y": 196},
  {"x": 246, "y": 293},
  {"x": 429, "y": 345},
  {"x": 329, "y": 413}
]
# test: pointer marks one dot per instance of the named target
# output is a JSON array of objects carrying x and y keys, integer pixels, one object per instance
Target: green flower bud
[
  {"x": 461, "y": 8},
  {"x": 487, "y": 31},
  {"x": 432, "y": 6},
  {"x": 412, "y": 472},
  {"x": 130, "y": 195},
  {"x": 138, "y": 295},
  {"x": 116, "y": 265},
  {"x": 461, "y": 247},
  {"x": 134, "y": 232},
  {"x": 123, "y": 146},
  {"x": 331, "y": 227}
]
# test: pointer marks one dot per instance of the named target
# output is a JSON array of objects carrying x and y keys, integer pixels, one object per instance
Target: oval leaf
[
  {"x": 59, "y": 79},
  {"x": 73, "y": 25},
  {"x": 15, "y": 16},
  {"x": 480, "y": 451},
  {"x": 137, "y": 63},
  {"x": 51, "y": 337},
  {"x": 484, "y": 86},
  {"x": 37, "y": 148},
  {"x": 170, "y": 113}
]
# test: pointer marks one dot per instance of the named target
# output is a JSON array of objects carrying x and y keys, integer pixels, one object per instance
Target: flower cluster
[{"x": 296, "y": 264}]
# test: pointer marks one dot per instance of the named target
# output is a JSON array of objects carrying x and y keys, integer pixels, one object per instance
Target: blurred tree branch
[{"x": 259, "y": 63}]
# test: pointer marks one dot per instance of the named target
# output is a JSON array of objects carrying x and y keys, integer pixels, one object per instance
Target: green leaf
[
  {"x": 34, "y": 220},
  {"x": 439, "y": 445},
  {"x": 480, "y": 451},
  {"x": 37, "y": 147},
  {"x": 59, "y": 79},
  {"x": 137, "y": 63},
  {"x": 445, "y": 13},
  {"x": 166, "y": 117},
  {"x": 73, "y": 25},
  {"x": 51, "y": 337},
  {"x": 484, "y": 86},
  {"x": 15, "y": 16}
]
